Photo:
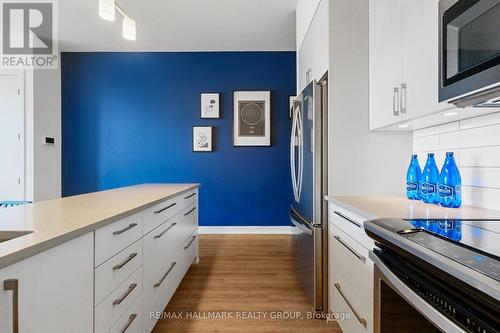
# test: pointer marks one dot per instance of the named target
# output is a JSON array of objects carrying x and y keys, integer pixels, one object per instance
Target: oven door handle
[{"x": 382, "y": 272}]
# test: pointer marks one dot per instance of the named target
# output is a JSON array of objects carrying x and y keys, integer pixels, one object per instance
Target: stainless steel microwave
[{"x": 469, "y": 51}]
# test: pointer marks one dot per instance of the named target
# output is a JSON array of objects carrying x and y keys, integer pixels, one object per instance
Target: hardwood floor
[{"x": 249, "y": 279}]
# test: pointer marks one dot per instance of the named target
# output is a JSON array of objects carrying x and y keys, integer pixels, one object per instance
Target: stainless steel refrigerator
[{"x": 308, "y": 211}]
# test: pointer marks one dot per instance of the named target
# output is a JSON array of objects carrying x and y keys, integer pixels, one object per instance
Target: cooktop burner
[{"x": 475, "y": 244}]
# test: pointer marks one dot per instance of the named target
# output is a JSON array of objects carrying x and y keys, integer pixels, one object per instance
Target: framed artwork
[
  {"x": 252, "y": 118},
  {"x": 291, "y": 99},
  {"x": 202, "y": 139},
  {"x": 210, "y": 105}
]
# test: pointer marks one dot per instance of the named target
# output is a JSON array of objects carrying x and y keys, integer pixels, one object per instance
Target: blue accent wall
[{"x": 127, "y": 118}]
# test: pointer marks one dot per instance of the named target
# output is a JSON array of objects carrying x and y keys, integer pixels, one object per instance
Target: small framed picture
[
  {"x": 252, "y": 118},
  {"x": 210, "y": 105},
  {"x": 202, "y": 138},
  {"x": 291, "y": 100}
]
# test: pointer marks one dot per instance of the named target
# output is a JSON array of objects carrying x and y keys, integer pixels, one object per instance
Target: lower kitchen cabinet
[
  {"x": 51, "y": 291},
  {"x": 350, "y": 271}
]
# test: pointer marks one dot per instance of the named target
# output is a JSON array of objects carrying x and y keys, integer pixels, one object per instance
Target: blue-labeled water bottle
[
  {"x": 413, "y": 176},
  {"x": 450, "y": 183},
  {"x": 429, "y": 181}
]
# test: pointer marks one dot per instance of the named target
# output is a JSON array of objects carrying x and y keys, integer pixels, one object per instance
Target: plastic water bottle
[
  {"x": 413, "y": 179},
  {"x": 450, "y": 184},
  {"x": 429, "y": 181}
]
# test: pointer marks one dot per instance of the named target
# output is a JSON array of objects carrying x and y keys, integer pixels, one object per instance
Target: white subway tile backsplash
[
  {"x": 427, "y": 143},
  {"x": 487, "y": 120},
  {"x": 481, "y": 177},
  {"x": 450, "y": 127},
  {"x": 480, "y": 157},
  {"x": 476, "y": 144}
]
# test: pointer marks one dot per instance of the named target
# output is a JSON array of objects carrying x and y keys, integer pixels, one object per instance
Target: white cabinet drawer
[
  {"x": 189, "y": 198},
  {"x": 131, "y": 320},
  {"x": 114, "y": 271},
  {"x": 161, "y": 213},
  {"x": 157, "y": 294},
  {"x": 114, "y": 306},
  {"x": 188, "y": 253},
  {"x": 115, "y": 237},
  {"x": 160, "y": 248},
  {"x": 357, "y": 320},
  {"x": 351, "y": 224},
  {"x": 352, "y": 269},
  {"x": 189, "y": 221}
]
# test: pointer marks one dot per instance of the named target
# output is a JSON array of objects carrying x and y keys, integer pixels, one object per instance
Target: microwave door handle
[{"x": 292, "y": 154}]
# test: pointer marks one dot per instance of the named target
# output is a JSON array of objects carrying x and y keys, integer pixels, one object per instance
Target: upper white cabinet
[
  {"x": 52, "y": 291},
  {"x": 403, "y": 60},
  {"x": 312, "y": 57},
  {"x": 305, "y": 13}
]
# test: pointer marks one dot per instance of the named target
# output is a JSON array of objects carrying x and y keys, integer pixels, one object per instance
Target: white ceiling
[{"x": 181, "y": 25}]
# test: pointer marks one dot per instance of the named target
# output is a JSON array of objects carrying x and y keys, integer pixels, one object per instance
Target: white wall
[
  {"x": 476, "y": 144},
  {"x": 360, "y": 162},
  {"x": 42, "y": 118}
]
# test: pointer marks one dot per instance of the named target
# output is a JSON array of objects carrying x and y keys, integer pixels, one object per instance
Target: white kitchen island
[{"x": 98, "y": 262}]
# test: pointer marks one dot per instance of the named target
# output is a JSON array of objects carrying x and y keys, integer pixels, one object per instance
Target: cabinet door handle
[
  {"x": 126, "y": 261},
  {"x": 157, "y": 284},
  {"x": 130, "y": 226},
  {"x": 192, "y": 210},
  {"x": 348, "y": 219},
  {"x": 190, "y": 196},
  {"x": 395, "y": 101},
  {"x": 189, "y": 244},
  {"x": 129, "y": 290},
  {"x": 359, "y": 256},
  {"x": 362, "y": 321},
  {"x": 164, "y": 209},
  {"x": 403, "y": 98},
  {"x": 164, "y": 231},
  {"x": 128, "y": 323},
  {"x": 13, "y": 285}
]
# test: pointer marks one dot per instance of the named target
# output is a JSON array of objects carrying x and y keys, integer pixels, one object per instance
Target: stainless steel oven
[{"x": 469, "y": 49}]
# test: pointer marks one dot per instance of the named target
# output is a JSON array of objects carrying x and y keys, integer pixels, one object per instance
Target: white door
[
  {"x": 11, "y": 137},
  {"x": 385, "y": 62},
  {"x": 420, "y": 58}
]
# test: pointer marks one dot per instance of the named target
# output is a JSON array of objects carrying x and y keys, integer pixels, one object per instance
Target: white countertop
[
  {"x": 403, "y": 208},
  {"x": 54, "y": 222}
]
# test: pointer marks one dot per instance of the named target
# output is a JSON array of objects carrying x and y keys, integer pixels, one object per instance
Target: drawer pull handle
[
  {"x": 192, "y": 210},
  {"x": 190, "y": 196},
  {"x": 164, "y": 231},
  {"x": 164, "y": 209},
  {"x": 189, "y": 244},
  {"x": 348, "y": 219},
  {"x": 13, "y": 285},
  {"x": 362, "y": 321},
  {"x": 157, "y": 284},
  {"x": 359, "y": 256},
  {"x": 126, "y": 261},
  {"x": 130, "y": 226},
  {"x": 129, "y": 290},
  {"x": 129, "y": 322}
]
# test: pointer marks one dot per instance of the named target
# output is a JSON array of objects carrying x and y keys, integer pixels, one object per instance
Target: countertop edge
[
  {"x": 35, "y": 249},
  {"x": 364, "y": 214}
]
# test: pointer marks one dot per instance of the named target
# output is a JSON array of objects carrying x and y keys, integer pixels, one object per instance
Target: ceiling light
[
  {"x": 128, "y": 26},
  {"x": 107, "y": 9},
  {"x": 404, "y": 126},
  {"x": 449, "y": 113}
]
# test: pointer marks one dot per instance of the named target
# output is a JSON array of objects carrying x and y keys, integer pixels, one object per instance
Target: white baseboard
[{"x": 264, "y": 230}]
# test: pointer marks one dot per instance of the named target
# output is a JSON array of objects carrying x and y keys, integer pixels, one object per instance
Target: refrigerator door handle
[
  {"x": 300, "y": 136},
  {"x": 300, "y": 223},
  {"x": 293, "y": 142}
]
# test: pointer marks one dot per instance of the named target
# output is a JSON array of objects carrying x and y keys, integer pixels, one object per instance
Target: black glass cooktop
[{"x": 475, "y": 244}]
